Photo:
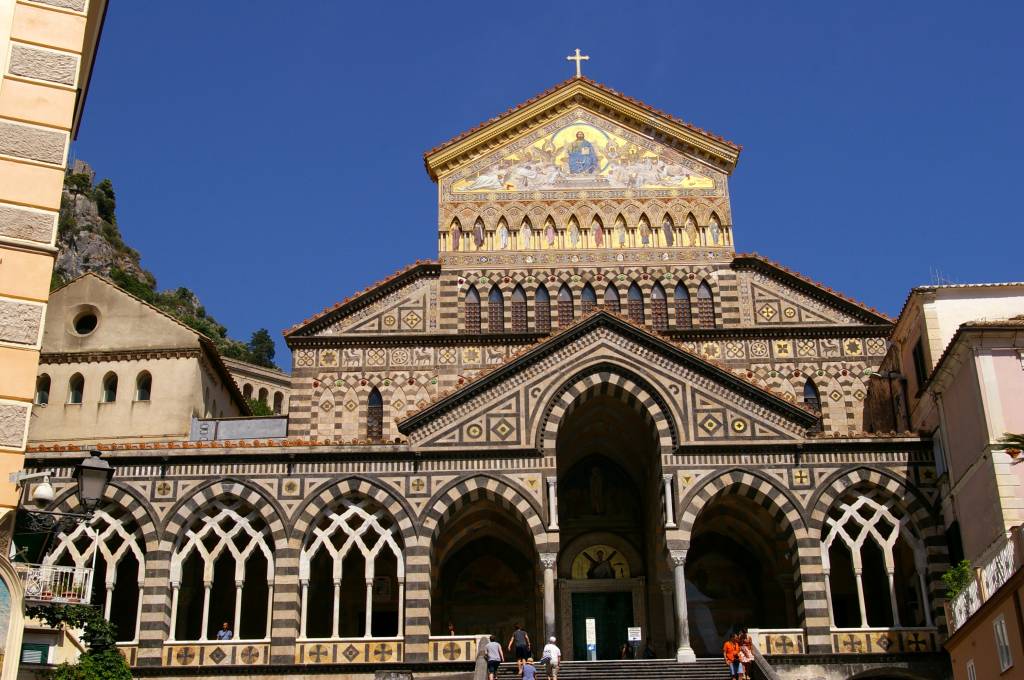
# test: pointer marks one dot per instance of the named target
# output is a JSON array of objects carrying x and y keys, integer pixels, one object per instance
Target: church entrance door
[{"x": 612, "y": 614}]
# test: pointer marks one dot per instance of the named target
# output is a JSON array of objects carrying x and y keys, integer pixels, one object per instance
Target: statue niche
[{"x": 598, "y": 492}]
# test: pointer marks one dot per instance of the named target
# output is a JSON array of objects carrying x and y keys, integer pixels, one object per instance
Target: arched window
[
  {"x": 588, "y": 299},
  {"x": 278, "y": 403},
  {"x": 565, "y": 311},
  {"x": 681, "y": 302},
  {"x": 519, "y": 324},
  {"x": 495, "y": 310},
  {"x": 221, "y": 572},
  {"x": 705, "y": 306},
  {"x": 812, "y": 399},
  {"x": 667, "y": 229},
  {"x": 472, "y": 310},
  {"x": 264, "y": 395},
  {"x": 611, "y": 298},
  {"x": 76, "y": 388},
  {"x": 247, "y": 391},
  {"x": 43, "y": 390},
  {"x": 635, "y": 303},
  {"x": 375, "y": 415},
  {"x": 143, "y": 386},
  {"x": 542, "y": 309},
  {"x": 109, "y": 387},
  {"x": 659, "y": 308}
]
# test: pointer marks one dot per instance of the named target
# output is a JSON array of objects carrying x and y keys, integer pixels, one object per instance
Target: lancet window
[
  {"x": 352, "y": 574},
  {"x": 519, "y": 324},
  {"x": 659, "y": 308},
  {"x": 812, "y": 399},
  {"x": 635, "y": 303},
  {"x": 223, "y": 572},
  {"x": 681, "y": 302},
  {"x": 495, "y": 310},
  {"x": 874, "y": 563},
  {"x": 611, "y": 298},
  {"x": 588, "y": 299},
  {"x": 119, "y": 565},
  {"x": 76, "y": 388},
  {"x": 144, "y": 386},
  {"x": 705, "y": 306},
  {"x": 43, "y": 390},
  {"x": 542, "y": 309},
  {"x": 565, "y": 310},
  {"x": 109, "y": 387},
  {"x": 375, "y": 415},
  {"x": 471, "y": 310}
]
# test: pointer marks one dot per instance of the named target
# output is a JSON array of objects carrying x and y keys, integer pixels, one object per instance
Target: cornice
[
  {"x": 415, "y": 339},
  {"x": 119, "y": 355}
]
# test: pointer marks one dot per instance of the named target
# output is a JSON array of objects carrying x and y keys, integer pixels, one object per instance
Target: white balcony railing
[
  {"x": 50, "y": 583},
  {"x": 990, "y": 575}
]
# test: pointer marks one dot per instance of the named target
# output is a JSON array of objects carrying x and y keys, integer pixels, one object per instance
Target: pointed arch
[
  {"x": 542, "y": 309},
  {"x": 519, "y": 321},
  {"x": 375, "y": 415},
  {"x": 455, "y": 234},
  {"x": 525, "y": 237},
  {"x": 471, "y": 310},
  {"x": 502, "y": 233},
  {"x": 495, "y": 310},
  {"x": 573, "y": 232},
  {"x": 705, "y": 306},
  {"x": 659, "y": 307},
  {"x": 565, "y": 306},
  {"x": 635, "y": 303},
  {"x": 644, "y": 233},
  {"x": 588, "y": 299},
  {"x": 620, "y": 237},
  {"x": 715, "y": 235},
  {"x": 479, "y": 233},
  {"x": 611, "y": 298},
  {"x": 691, "y": 231},
  {"x": 597, "y": 232},
  {"x": 668, "y": 228},
  {"x": 812, "y": 398},
  {"x": 550, "y": 233}
]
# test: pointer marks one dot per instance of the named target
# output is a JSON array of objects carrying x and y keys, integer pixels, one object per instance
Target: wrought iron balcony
[{"x": 51, "y": 583}]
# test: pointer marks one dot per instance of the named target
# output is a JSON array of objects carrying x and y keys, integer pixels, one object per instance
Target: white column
[
  {"x": 860, "y": 599},
  {"x": 552, "y": 503},
  {"x": 107, "y": 602},
  {"x": 369, "y": 608},
  {"x": 925, "y": 601},
  {"x": 337, "y": 608},
  {"x": 174, "y": 608},
  {"x": 203, "y": 633},
  {"x": 670, "y": 510},
  {"x": 684, "y": 653},
  {"x": 270, "y": 607},
  {"x": 305, "y": 608},
  {"x": 548, "y": 561},
  {"x": 892, "y": 600},
  {"x": 238, "y": 608},
  {"x": 401, "y": 608},
  {"x": 138, "y": 612}
]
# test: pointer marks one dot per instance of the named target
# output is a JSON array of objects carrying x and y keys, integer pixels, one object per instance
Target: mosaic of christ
[{"x": 583, "y": 156}]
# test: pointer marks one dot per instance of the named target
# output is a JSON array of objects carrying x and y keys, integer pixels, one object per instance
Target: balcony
[
  {"x": 995, "y": 569},
  {"x": 46, "y": 583}
]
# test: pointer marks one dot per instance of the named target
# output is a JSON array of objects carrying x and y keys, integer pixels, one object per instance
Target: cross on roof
[{"x": 578, "y": 58}]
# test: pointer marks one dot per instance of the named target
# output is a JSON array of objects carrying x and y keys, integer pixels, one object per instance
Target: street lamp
[{"x": 93, "y": 474}]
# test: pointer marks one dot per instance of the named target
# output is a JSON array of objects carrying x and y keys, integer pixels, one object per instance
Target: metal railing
[
  {"x": 51, "y": 583},
  {"x": 1006, "y": 557}
]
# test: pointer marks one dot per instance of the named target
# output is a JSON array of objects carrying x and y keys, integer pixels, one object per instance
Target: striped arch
[
  {"x": 329, "y": 492},
  {"x": 452, "y": 498},
  {"x": 128, "y": 499},
  {"x": 607, "y": 380}
]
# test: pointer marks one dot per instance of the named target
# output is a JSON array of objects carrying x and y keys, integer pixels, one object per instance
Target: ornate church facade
[{"x": 589, "y": 406}]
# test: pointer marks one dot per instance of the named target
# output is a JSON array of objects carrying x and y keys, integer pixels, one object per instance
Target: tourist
[
  {"x": 451, "y": 628},
  {"x": 746, "y": 654},
  {"x": 553, "y": 657},
  {"x": 225, "y": 632},
  {"x": 494, "y": 657},
  {"x": 521, "y": 642},
  {"x": 649, "y": 652},
  {"x": 529, "y": 671},
  {"x": 731, "y": 651}
]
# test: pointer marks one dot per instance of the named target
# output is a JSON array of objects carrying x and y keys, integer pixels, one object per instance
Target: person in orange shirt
[{"x": 731, "y": 652}]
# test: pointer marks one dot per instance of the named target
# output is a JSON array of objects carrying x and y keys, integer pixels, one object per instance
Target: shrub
[
  {"x": 957, "y": 578},
  {"x": 258, "y": 408}
]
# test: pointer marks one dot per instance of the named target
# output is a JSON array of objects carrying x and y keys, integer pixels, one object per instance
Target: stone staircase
[{"x": 648, "y": 669}]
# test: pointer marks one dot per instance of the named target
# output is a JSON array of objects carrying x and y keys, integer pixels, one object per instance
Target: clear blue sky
[{"x": 269, "y": 155}]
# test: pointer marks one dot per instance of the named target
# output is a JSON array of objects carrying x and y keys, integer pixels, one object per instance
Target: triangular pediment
[
  {"x": 582, "y": 94},
  {"x": 507, "y": 407}
]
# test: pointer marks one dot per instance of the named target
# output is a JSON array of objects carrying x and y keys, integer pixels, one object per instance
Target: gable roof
[
  {"x": 598, "y": 319},
  {"x": 581, "y": 89},
  {"x": 205, "y": 343},
  {"x": 812, "y": 288},
  {"x": 370, "y": 294}
]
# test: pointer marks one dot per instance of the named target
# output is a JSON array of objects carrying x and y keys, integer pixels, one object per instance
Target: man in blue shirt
[{"x": 225, "y": 632}]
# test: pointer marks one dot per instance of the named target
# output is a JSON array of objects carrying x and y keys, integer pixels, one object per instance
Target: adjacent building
[{"x": 269, "y": 385}]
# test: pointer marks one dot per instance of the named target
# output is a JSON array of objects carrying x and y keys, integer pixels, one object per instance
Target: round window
[{"x": 85, "y": 323}]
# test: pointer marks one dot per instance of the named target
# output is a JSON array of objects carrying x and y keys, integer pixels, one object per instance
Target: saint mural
[
  {"x": 599, "y": 561},
  {"x": 583, "y": 155}
]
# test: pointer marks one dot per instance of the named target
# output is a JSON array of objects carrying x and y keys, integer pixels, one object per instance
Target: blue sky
[{"x": 269, "y": 155}]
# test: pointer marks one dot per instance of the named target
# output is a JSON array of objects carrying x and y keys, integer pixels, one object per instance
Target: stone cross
[{"x": 578, "y": 58}]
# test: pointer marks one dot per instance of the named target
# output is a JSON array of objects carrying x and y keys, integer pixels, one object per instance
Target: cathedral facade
[{"x": 589, "y": 406}]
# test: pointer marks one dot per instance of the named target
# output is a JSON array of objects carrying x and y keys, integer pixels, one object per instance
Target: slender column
[
  {"x": 174, "y": 607},
  {"x": 925, "y": 602},
  {"x": 401, "y": 608},
  {"x": 238, "y": 608},
  {"x": 670, "y": 510},
  {"x": 552, "y": 503},
  {"x": 548, "y": 561},
  {"x": 138, "y": 613},
  {"x": 828, "y": 600},
  {"x": 337, "y": 608},
  {"x": 305, "y": 608},
  {"x": 107, "y": 602},
  {"x": 204, "y": 633},
  {"x": 684, "y": 653},
  {"x": 270, "y": 608},
  {"x": 860, "y": 599},
  {"x": 892, "y": 600},
  {"x": 369, "y": 608}
]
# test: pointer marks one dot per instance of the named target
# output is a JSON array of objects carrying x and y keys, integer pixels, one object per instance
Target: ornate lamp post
[{"x": 93, "y": 474}]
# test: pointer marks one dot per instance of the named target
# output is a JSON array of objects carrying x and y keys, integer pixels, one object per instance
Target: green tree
[
  {"x": 102, "y": 661},
  {"x": 106, "y": 201},
  {"x": 957, "y": 578},
  {"x": 261, "y": 348},
  {"x": 259, "y": 408}
]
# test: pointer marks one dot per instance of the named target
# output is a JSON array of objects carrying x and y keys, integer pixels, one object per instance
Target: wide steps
[{"x": 647, "y": 669}]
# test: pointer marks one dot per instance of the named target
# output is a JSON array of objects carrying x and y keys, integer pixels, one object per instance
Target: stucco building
[
  {"x": 587, "y": 406},
  {"x": 271, "y": 386}
]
